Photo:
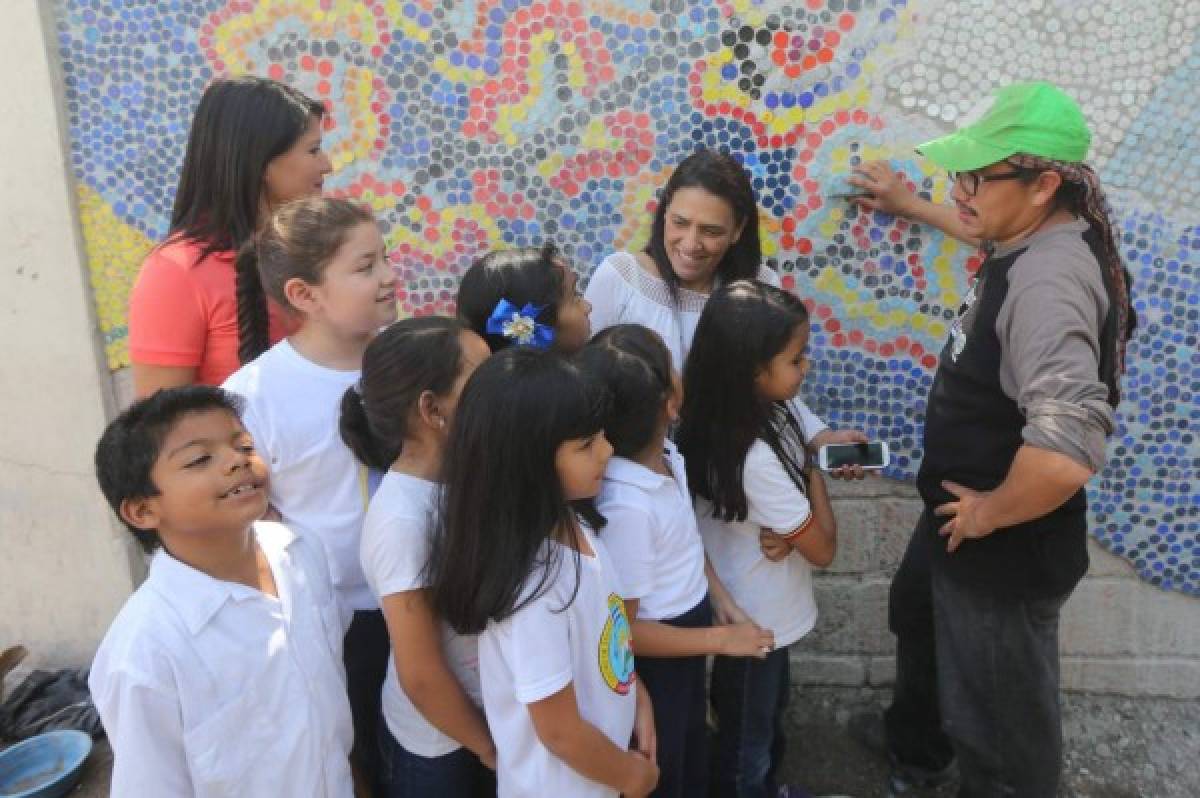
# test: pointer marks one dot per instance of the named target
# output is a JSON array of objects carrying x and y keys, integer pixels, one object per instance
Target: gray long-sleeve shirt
[{"x": 1049, "y": 331}]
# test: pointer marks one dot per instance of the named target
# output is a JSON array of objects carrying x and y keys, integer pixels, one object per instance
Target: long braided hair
[{"x": 1082, "y": 194}]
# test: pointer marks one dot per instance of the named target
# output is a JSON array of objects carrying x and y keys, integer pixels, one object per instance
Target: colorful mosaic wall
[{"x": 473, "y": 125}]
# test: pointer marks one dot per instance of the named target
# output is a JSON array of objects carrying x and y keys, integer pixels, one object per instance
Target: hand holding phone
[{"x": 870, "y": 456}]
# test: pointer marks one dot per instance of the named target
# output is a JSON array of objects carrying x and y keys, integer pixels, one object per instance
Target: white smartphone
[{"x": 871, "y": 456}]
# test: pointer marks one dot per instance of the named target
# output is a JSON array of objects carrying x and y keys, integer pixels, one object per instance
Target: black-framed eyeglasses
[{"x": 971, "y": 181}]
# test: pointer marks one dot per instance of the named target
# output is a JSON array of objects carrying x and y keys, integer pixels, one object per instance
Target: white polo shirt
[
  {"x": 395, "y": 546},
  {"x": 776, "y": 595},
  {"x": 651, "y": 536},
  {"x": 539, "y": 650},
  {"x": 292, "y": 409},
  {"x": 211, "y": 688}
]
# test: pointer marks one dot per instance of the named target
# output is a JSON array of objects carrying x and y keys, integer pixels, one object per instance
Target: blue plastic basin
[{"x": 45, "y": 766}]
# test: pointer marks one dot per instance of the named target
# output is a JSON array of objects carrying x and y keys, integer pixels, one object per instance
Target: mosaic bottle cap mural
[{"x": 469, "y": 125}]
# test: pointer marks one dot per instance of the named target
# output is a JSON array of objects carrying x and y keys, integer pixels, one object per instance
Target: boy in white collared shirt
[{"x": 222, "y": 674}]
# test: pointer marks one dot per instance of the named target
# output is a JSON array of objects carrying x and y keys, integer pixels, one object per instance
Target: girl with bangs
[{"x": 513, "y": 560}]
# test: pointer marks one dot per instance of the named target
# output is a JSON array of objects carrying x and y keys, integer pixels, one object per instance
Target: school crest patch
[{"x": 616, "y": 648}]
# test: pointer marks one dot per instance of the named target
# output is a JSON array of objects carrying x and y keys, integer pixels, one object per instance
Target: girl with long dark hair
[
  {"x": 652, "y": 537},
  {"x": 762, "y": 509},
  {"x": 513, "y": 559},
  {"x": 434, "y": 739}
]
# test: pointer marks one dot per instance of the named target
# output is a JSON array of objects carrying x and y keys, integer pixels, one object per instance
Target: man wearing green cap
[{"x": 1016, "y": 423}]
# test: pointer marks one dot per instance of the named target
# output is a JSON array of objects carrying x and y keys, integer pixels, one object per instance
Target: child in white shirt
[
  {"x": 763, "y": 510},
  {"x": 525, "y": 297},
  {"x": 222, "y": 674},
  {"x": 511, "y": 559},
  {"x": 434, "y": 740},
  {"x": 651, "y": 535},
  {"x": 323, "y": 260}
]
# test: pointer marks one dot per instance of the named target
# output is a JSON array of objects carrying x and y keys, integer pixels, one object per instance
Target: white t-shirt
[
  {"x": 651, "y": 536},
  {"x": 539, "y": 650},
  {"x": 210, "y": 688},
  {"x": 776, "y": 595},
  {"x": 395, "y": 546},
  {"x": 622, "y": 292},
  {"x": 292, "y": 412}
]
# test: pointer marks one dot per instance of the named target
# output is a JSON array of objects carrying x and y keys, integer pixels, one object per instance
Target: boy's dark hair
[
  {"x": 402, "y": 362},
  {"x": 722, "y": 176},
  {"x": 240, "y": 125},
  {"x": 634, "y": 366},
  {"x": 132, "y": 442},
  {"x": 742, "y": 327},
  {"x": 527, "y": 275},
  {"x": 501, "y": 497}
]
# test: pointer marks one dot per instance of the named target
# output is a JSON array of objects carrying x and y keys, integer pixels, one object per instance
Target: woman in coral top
[{"x": 194, "y": 317}]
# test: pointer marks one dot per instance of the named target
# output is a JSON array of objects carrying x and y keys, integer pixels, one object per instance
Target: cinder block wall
[{"x": 1119, "y": 634}]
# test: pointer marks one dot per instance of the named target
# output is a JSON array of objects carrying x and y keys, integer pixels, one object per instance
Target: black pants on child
[
  {"x": 676, "y": 686},
  {"x": 365, "y": 654}
]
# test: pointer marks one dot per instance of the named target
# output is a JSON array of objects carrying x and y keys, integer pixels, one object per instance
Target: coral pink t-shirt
[{"x": 183, "y": 312}]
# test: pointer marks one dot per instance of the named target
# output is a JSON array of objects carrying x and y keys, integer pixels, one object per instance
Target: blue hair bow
[{"x": 520, "y": 326}]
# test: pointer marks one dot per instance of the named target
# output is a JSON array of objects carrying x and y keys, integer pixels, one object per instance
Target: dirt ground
[{"x": 1115, "y": 748}]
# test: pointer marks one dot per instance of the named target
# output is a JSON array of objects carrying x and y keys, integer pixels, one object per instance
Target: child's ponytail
[
  {"x": 355, "y": 430},
  {"x": 253, "y": 337},
  {"x": 403, "y": 362}
]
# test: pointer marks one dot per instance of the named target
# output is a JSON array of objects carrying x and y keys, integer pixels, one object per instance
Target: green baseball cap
[{"x": 1030, "y": 118}]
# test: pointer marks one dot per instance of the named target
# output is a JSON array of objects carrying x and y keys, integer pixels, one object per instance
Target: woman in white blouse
[{"x": 705, "y": 234}]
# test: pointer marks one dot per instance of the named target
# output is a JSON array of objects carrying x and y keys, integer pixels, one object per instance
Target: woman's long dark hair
[
  {"x": 527, "y": 275},
  {"x": 240, "y": 125},
  {"x": 720, "y": 175},
  {"x": 633, "y": 364},
  {"x": 743, "y": 326},
  {"x": 401, "y": 363},
  {"x": 501, "y": 498}
]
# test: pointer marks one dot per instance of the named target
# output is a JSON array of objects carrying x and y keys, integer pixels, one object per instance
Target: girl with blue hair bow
[{"x": 525, "y": 297}]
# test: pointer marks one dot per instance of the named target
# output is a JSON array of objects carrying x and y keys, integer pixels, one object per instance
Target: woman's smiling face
[{"x": 698, "y": 229}]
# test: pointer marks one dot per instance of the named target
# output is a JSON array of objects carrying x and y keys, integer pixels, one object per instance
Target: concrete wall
[
  {"x": 64, "y": 567},
  {"x": 1118, "y": 634}
]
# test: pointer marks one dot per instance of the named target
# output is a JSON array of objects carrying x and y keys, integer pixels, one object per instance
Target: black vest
[{"x": 972, "y": 433}]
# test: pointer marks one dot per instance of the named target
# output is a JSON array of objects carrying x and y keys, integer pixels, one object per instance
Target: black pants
[
  {"x": 976, "y": 678},
  {"x": 365, "y": 654},
  {"x": 676, "y": 687}
]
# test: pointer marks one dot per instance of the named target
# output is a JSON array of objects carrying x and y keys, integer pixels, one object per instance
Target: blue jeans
[
  {"x": 976, "y": 679},
  {"x": 458, "y": 774},
  {"x": 749, "y": 697}
]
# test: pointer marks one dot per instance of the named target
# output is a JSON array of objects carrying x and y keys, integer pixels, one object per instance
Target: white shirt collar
[
  {"x": 621, "y": 469},
  {"x": 195, "y": 595}
]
